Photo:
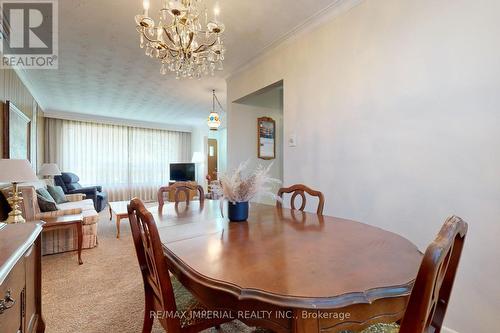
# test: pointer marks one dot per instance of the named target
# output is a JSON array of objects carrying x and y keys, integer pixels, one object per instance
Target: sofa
[
  {"x": 70, "y": 185},
  {"x": 65, "y": 239}
]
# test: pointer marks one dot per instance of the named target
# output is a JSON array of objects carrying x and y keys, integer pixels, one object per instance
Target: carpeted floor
[{"x": 105, "y": 294}]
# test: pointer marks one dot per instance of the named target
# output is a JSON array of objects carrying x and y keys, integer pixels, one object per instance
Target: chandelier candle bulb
[
  {"x": 145, "y": 5},
  {"x": 216, "y": 13}
]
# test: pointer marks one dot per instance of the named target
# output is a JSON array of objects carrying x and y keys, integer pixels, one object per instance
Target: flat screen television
[{"x": 182, "y": 172}]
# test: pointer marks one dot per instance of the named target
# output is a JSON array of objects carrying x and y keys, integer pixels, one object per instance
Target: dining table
[{"x": 288, "y": 270}]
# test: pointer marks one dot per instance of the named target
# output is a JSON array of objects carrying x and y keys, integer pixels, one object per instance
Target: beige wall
[
  {"x": 12, "y": 89},
  {"x": 395, "y": 104},
  {"x": 244, "y": 142}
]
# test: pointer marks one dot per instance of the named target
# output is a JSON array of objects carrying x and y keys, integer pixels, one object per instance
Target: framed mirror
[
  {"x": 266, "y": 138},
  {"x": 16, "y": 133}
]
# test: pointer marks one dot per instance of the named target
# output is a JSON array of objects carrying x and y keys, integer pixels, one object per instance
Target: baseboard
[{"x": 448, "y": 330}]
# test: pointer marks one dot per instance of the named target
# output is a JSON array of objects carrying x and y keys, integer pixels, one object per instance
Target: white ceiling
[{"x": 102, "y": 71}]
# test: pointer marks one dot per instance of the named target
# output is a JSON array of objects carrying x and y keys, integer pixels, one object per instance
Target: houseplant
[{"x": 238, "y": 187}]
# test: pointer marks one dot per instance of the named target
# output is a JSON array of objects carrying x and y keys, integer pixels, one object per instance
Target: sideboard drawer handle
[{"x": 7, "y": 302}]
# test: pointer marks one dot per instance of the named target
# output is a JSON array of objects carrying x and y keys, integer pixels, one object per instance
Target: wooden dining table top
[{"x": 286, "y": 257}]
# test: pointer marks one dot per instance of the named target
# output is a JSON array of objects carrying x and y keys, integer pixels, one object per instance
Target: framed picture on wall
[
  {"x": 266, "y": 138},
  {"x": 16, "y": 133}
]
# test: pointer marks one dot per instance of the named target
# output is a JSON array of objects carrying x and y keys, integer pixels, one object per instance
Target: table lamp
[
  {"x": 48, "y": 171},
  {"x": 15, "y": 172}
]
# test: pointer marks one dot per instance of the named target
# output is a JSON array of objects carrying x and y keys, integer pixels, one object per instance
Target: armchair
[{"x": 69, "y": 183}]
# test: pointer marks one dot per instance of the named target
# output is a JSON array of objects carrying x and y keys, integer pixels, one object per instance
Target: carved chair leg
[{"x": 148, "y": 319}]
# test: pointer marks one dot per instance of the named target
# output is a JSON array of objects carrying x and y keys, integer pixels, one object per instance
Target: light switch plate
[{"x": 292, "y": 140}]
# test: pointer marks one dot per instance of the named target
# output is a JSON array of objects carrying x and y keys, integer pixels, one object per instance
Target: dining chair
[
  {"x": 164, "y": 294},
  {"x": 431, "y": 292},
  {"x": 177, "y": 188},
  {"x": 299, "y": 189}
]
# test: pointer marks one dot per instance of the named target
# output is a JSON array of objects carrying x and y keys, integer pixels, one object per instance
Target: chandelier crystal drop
[{"x": 183, "y": 39}]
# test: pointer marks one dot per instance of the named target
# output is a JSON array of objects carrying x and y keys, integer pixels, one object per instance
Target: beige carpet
[{"x": 105, "y": 294}]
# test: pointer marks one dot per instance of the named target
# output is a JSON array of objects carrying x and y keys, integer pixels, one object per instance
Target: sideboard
[{"x": 20, "y": 278}]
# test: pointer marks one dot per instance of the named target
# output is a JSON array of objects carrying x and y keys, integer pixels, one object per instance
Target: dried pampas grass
[{"x": 236, "y": 186}]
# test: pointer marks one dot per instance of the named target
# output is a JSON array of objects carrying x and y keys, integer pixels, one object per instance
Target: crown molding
[
  {"x": 335, "y": 9},
  {"x": 114, "y": 121}
]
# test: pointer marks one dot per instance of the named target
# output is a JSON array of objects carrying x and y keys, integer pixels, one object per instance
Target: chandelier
[
  {"x": 214, "y": 120},
  {"x": 184, "y": 40}
]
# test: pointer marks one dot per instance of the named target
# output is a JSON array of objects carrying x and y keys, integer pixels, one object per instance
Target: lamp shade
[
  {"x": 16, "y": 171},
  {"x": 49, "y": 169},
  {"x": 197, "y": 157},
  {"x": 213, "y": 121}
]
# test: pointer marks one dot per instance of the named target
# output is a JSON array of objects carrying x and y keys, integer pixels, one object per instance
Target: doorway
[
  {"x": 212, "y": 157},
  {"x": 245, "y": 113}
]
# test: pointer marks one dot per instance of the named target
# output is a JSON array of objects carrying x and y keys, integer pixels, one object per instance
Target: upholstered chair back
[{"x": 68, "y": 181}]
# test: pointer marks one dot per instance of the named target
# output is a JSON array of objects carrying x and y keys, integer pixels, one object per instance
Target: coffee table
[
  {"x": 67, "y": 221},
  {"x": 119, "y": 208}
]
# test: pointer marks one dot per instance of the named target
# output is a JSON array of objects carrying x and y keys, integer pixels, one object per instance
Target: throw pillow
[
  {"x": 46, "y": 205},
  {"x": 57, "y": 193},
  {"x": 45, "y": 194}
]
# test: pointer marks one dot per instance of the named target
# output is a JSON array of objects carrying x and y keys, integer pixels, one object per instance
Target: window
[{"x": 127, "y": 161}]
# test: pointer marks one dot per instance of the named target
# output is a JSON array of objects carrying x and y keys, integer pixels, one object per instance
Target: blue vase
[{"x": 238, "y": 211}]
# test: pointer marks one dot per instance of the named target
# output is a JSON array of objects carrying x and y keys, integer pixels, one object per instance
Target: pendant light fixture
[{"x": 214, "y": 120}]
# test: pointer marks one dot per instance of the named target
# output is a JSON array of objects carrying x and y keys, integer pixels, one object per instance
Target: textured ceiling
[{"x": 102, "y": 71}]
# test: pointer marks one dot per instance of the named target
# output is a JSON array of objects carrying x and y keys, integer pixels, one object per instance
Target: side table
[
  {"x": 119, "y": 208},
  {"x": 67, "y": 221}
]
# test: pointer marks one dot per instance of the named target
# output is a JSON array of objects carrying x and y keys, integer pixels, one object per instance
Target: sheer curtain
[{"x": 127, "y": 161}]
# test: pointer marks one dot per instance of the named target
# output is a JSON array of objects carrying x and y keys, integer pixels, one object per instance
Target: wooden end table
[
  {"x": 67, "y": 221},
  {"x": 119, "y": 208}
]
